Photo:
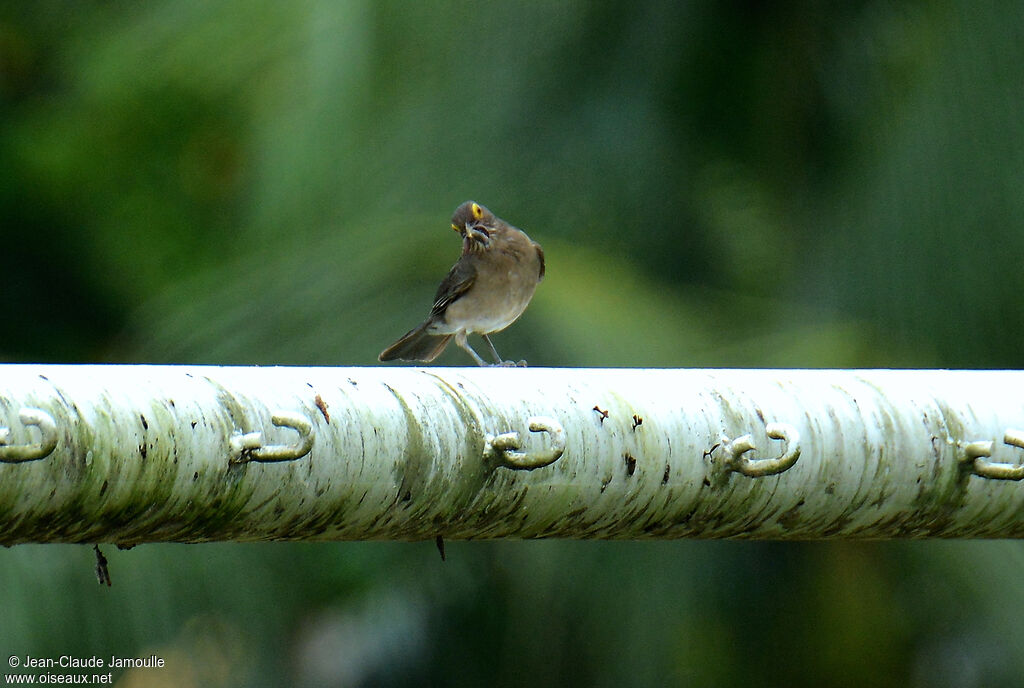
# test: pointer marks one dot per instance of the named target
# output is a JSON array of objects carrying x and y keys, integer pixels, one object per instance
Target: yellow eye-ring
[{"x": 478, "y": 212}]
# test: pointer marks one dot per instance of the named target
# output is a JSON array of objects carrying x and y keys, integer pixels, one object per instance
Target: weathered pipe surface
[{"x": 190, "y": 453}]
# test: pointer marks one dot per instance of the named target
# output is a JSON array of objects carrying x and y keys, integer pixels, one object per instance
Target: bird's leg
[
  {"x": 497, "y": 358},
  {"x": 460, "y": 339}
]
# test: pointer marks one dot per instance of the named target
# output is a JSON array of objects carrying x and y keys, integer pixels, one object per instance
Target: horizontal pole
[{"x": 134, "y": 454}]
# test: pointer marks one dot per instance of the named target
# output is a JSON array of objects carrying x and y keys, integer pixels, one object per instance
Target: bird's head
[{"x": 476, "y": 224}]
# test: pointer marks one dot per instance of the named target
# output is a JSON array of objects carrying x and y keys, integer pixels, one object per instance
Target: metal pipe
[{"x": 133, "y": 454}]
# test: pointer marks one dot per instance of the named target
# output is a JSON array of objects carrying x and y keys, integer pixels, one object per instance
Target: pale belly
[{"x": 488, "y": 306}]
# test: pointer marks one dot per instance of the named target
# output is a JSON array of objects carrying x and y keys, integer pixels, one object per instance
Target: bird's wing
[
  {"x": 460, "y": 278},
  {"x": 540, "y": 255}
]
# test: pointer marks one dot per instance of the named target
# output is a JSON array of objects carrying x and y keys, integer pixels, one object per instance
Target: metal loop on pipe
[
  {"x": 760, "y": 468},
  {"x": 18, "y": 453},
  {"x": 504, "y": 448},
  {"x": 975, "y": 454},
  {"x": 249, "y": 446}
]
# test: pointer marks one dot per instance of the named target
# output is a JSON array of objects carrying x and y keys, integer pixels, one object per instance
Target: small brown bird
[{"x": 485, "y": 291}]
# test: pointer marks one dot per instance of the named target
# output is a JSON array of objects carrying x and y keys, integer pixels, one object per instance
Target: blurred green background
[{"x": 715, "y": 184}]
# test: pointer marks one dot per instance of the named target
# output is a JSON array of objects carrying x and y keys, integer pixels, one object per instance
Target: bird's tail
[{"x": 416, "y": 345}]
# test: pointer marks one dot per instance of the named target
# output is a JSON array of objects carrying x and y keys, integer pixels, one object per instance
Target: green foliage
[{"x": 715, "y": 184}]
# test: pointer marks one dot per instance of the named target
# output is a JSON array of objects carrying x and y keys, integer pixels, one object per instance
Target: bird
[{"x": 486, "y": 290}]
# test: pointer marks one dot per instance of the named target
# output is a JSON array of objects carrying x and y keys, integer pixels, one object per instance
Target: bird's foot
[{"x": 509, "y": 364}]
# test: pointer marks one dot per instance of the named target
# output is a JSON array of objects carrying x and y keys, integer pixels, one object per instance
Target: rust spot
[
  {"x": 637, "y": 420},
  {"x": 322, "y": 405},
  {"x": 630, "y": 463},
  {"x": 602, "y": 415},
  {"x": 791, "y": 518}
]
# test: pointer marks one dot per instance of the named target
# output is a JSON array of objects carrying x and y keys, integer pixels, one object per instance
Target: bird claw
[{"x": 509, "y": 364}]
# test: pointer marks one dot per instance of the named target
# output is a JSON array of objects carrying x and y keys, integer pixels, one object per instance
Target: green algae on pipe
[{"x": 133, "y": 454}]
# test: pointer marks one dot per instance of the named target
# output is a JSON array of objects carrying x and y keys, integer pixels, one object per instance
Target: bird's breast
[{"x": 502, "y": 290}]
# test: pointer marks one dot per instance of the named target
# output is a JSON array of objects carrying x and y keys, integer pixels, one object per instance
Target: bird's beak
[{"x": 478, "y": 233}]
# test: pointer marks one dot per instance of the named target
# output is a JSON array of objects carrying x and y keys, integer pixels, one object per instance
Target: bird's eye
[{"x": 478, "y": 212}]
